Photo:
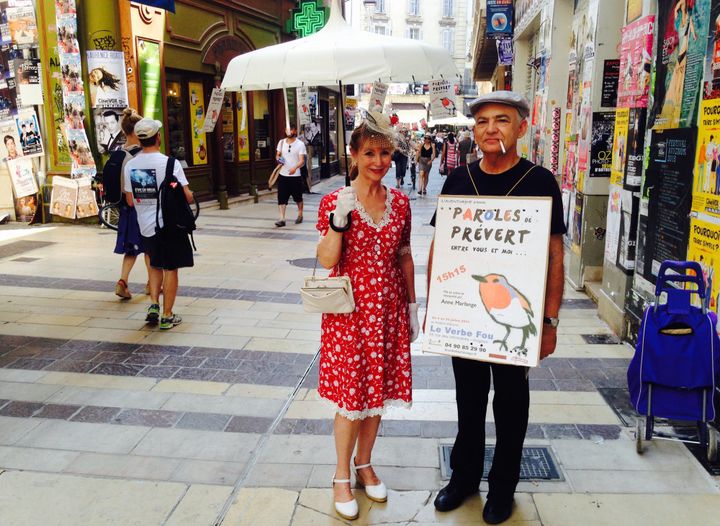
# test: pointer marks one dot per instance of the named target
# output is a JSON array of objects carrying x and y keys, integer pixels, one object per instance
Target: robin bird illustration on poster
[
  {"x": 448, "y": 104},
  {"x": 507, "y": 307}
]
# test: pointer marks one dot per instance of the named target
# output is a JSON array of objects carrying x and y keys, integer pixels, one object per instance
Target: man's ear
[{"x": 523, "y": 128}]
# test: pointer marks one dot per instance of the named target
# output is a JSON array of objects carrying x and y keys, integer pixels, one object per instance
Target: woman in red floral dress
[{"x": 365, "y": 355}]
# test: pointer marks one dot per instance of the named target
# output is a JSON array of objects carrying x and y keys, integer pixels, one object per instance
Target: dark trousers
[
  {"x": 511, "y": 404},
  {"x": 400, "y": 168}
]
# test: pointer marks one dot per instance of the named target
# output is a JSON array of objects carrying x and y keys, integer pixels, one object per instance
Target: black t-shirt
[{"x": 538, "y": 183}]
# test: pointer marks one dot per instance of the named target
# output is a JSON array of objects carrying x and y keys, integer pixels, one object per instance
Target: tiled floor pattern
[{"x": 122, "y": 421}]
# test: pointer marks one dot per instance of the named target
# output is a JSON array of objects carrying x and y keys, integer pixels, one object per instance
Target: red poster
[{"x": 636, "y": 63}]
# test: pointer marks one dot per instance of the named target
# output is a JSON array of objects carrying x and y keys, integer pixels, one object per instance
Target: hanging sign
[
  {"x": 73, "y": 97},
  {"x": 483, "y": 249},
  {"x": 64, "y": 197},
  {"x": 303, "y": 106},
  {"x": 442, "y": 99},
  {"x": 505, "y": 51},
  {"x": 214, "y": 109},
  {"x": 377, "y": 97},
  {"x": 499, "y": 19}
]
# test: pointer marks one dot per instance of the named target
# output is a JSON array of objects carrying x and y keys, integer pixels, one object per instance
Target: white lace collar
[{"x": 386, "y": 215}]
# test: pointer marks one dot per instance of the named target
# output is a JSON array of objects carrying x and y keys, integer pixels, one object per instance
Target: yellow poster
[
  {"x": 704, "y": 247},
  {"x": 619, "y": 151},
  {"x": 243, "y": 141},
  {"x": 706, "y": 183},
  {"x": 197, "y": 118}
]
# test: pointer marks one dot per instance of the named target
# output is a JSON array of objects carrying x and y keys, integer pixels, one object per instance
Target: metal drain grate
[
  {"x": 599, "y": 339},
  {"x": 537, "y": 463}
]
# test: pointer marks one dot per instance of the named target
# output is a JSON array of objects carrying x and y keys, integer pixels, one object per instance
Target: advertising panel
[
  {"x": 669, "y": 180},
  {"x": 483, "y": 303},
  {"x": 706, "y": 186},
  {"x": 704, "y": 247},
  {"x": 682, "y": 41},
  {"x": 636, "y": 63}
]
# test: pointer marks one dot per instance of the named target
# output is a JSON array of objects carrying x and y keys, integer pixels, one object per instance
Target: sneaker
[
  {"x": 121, "y": 290},
  {"x": 153, "y": 314},
  {"x": 299, "y": 220},
  {"x": 279, "y": 223},
  {"x": 169, "y": 323}
]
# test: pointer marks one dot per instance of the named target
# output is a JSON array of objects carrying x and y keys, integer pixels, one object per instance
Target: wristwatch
[{"x": 553, "y": 322}]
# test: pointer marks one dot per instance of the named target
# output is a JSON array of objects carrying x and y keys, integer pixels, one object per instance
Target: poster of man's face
[
  {"x": 10, "y": 147},
  {"x": 29, "y": 134},
  {"x": 107, "y": 129}
]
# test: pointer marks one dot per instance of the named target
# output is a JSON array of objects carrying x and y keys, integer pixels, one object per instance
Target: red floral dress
[{"x": 365, "y": 355}]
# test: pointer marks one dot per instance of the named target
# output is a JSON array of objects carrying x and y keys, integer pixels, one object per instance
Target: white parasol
[{"x": 338, "y": 54}]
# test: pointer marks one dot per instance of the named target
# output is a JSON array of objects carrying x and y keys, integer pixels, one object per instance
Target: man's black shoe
[
  {"x": 496, "y": 512},
  {"x": 451, "y": 497}
]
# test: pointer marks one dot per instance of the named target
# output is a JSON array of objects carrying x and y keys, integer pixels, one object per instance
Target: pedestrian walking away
[
  {"x": 291, "y": 154},
  {"x": 167, "y": 246},
  {"x": 128, "y": 241},
  {"x": 500, "y": 120},
  {"x": 425, "y": 158},
  {"x": 365, "y": 355},
  {"x": 449, "y": 157}
]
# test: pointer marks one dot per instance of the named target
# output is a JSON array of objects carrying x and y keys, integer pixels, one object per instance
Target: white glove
[
  {"x": 414, "y": 322},
  {"x": 343, "y": 206}
]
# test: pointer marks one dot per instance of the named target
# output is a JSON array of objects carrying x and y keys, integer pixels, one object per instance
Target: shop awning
[{"x": 339, "y": 53}]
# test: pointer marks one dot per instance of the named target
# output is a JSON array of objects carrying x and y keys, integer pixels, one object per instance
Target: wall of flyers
[
  {"x": 83, "y": 164},
  {"x": 20, "y": 91}
]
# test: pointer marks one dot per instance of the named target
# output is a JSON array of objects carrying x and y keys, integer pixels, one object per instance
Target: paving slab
[
  {"x": 67, "y": 500},
  {"x": 200, "y": 505},
  {"x": 603, "y": 510}
]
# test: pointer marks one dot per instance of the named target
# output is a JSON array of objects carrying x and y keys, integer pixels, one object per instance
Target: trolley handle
[{"x": 681, "y": 267}]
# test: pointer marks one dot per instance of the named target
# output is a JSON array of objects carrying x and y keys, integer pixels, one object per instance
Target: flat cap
[{"x": 509, "y": 98}]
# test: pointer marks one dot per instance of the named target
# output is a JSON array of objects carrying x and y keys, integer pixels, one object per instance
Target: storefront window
[
  {"x": 261, "y": 118},
  {"x": 176, "y": 119},
  {"x": 332, "y": 127}
]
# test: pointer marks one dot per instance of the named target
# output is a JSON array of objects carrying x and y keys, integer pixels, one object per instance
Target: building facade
[{"x": 167, "y": 65}]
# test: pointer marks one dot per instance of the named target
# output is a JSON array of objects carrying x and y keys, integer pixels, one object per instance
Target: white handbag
[{"x": 330, "y": 295}]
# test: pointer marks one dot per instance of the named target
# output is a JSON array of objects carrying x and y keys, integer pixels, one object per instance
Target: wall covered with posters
[{"x": 21, "y": 143}]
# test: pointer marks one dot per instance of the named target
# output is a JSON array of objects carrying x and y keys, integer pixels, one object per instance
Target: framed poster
[
  {"x": 150, "y": 79},
  {"x": 197, "y": 119},
  {"x": 483, "y": 303}
]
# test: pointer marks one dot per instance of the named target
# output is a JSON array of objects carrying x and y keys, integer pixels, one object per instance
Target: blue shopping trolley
[{"x": 675, "y": 368}]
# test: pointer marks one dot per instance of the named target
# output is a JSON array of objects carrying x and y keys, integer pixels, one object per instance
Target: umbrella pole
[{"x": 342, "y": 123}]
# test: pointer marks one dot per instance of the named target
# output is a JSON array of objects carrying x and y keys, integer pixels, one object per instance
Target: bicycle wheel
[{"x": 109, "y": 215}]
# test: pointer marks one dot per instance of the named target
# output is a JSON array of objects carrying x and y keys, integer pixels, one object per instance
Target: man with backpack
[{"x": 155, "y": 181}]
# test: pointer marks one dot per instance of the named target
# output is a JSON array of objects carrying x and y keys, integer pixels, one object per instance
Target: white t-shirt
[
  {"x": 291, "y": 153},
  {"x": 144, "y": 174}
]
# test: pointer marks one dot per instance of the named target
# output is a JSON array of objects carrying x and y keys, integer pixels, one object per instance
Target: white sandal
[
  {"x": 346, "y": 510},
  {"x": 377, "y": 492}
]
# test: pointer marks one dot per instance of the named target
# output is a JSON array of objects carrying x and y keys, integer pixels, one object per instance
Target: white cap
[{"x": 147, "y": 128}]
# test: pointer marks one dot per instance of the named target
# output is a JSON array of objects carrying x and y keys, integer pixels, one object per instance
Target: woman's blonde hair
[{"x": 128, "y": 119}]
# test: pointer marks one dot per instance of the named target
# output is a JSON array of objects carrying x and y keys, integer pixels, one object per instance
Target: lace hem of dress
[
  {"x": 386, "y": 215},
  {"x": 404, "y": 250},
  {"x": 366, "y": 413}
]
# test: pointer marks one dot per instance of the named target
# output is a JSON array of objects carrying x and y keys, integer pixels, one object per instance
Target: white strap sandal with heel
[
  {"x": 377, "y": 492},
  {"x": 346, "y": 510}
]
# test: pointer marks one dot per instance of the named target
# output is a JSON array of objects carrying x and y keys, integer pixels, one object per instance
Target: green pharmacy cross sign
[{"x": 307, "y": 18}]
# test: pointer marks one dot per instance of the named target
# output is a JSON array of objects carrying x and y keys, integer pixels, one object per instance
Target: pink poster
[{"x": 636, "y": 63}]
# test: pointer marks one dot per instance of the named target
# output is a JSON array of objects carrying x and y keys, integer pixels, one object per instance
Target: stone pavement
[{"x": 106, "y": 421}]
